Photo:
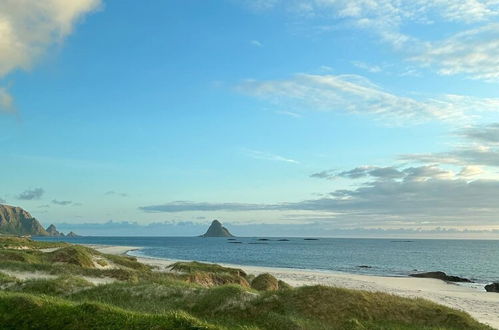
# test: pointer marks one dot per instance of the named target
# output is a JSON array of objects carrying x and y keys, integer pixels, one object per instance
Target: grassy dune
[{"x": 193, "y": 296}]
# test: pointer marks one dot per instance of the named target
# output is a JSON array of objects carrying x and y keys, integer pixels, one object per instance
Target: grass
[
  {"x": 61, "y": 286},
  {"x": 194, "y": 296},
  {"x": 25, "y": 311},
  {"x": 265, "y": 282},
  {"x": 13, "y": 242}
]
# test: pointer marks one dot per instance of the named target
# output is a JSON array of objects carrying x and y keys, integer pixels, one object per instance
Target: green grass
[
  {"x": 6, "y": 279},
  {"x": 25, "y": 311},
  {"x": 194, "y": 267},
  {"x": 13, "y": 242},
  {"x": 265, "y": 282},
  {"x": 61, "y": 286},
  {"x": 195, "y": 296}
]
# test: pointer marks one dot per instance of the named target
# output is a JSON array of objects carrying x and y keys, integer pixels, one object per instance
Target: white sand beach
[{"x": 483, "y": 306}]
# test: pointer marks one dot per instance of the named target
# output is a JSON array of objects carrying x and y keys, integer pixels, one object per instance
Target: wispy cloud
[
  {"x": 473, "y": 52},
  {"x": 6, "y": 101},
  {"x": 256, "y": 43},
  {"x": 29, "y": 27},
  {"x": 61, "y": 203},
  {"x": 421, "y": 194},
  {"x": 367, "y": 67},
  {"x": 31, "y": 194},
  {"x": 289, "y": 114},
  {"x": 256, "y": 154},
  {"x": 356, "y": 94},
  {"x": 116, "y": 193},
  {"x": 479, "y": 148}
]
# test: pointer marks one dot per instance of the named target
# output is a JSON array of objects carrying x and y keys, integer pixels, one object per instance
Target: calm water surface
[{"x": 474, "y": 259}]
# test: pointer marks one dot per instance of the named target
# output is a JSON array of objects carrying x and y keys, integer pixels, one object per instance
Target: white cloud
[
  {"x": 474, "y": 52},
  {"x": 6, "y": 102},
  {"x": 256, "y": 43},
  {"x": 356, "y": 94},
  {"x": 256, "y": 154},
  {"x": 367, "y": 67},
  {"x": 29, "y": 27}
]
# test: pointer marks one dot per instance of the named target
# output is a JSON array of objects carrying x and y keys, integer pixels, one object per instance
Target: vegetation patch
[
  {"x": 194, "y": 296},
  {"x": 25, "y": 311},
  {"x": 60, "y": 286},
  {"x": 265, "y": 282}
]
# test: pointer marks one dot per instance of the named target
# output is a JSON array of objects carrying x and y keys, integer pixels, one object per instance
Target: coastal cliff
[{"x": 17, "y": 221}]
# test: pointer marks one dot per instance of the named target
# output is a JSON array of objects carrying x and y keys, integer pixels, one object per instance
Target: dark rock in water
[
  {"x": 235, "y": 242},
  {"x": 263, "y": 239},
  {"x": 258, "y": 243},
  {"x": 442, "y": 276},
  {"x": 283, "y": 240},
  {"x": 311, "y": 239},
  {"x": 217, "y": 230},
  {"x": 72, "y": 234},
  {"x": 364, "y": 266},
  {"x": 494, "y": 287}
]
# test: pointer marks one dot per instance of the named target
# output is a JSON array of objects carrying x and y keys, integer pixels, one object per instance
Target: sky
[{"x": 277, "y": 117}]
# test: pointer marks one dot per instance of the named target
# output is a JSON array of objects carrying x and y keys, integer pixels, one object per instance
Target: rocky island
[{"x": 217, "y": 230}]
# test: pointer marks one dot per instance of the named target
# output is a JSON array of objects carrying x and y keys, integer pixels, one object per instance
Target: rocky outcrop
[
  {"x": 494, "y": 287},
  {"x": 52, "y": 230},
  {"x": 72, "y": 234},
  {"x": 217, "y": 230},
  {"x": 16, "y": 221},
  {"x": 441, "y": 276}
]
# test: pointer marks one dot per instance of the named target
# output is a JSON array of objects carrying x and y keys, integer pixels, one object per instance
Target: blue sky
[{"x": 341, "y": 114}]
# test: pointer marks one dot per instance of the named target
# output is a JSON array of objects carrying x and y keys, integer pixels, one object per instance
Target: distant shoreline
[{"x": 482, "y": 305}]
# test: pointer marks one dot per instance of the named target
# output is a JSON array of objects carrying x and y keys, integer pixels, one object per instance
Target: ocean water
[{"x": 474, "y": 259}]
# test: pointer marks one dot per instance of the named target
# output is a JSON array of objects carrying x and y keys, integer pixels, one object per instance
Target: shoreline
[{"x": 483, "y": 306}]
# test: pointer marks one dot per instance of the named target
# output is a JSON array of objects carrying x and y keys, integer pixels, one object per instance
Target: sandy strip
[{"x": 483, "y": 306}]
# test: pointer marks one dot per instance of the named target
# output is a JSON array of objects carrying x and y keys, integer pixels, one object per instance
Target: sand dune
[{"x": 484, "y": 306}]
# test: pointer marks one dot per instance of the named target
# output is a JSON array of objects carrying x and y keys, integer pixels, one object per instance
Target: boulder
[
  {"x": 494, "y": 287},
  {"x": 442, "y": 276}
]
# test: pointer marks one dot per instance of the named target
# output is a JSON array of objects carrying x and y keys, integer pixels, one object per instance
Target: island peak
[{"x": 216, "y": 229}]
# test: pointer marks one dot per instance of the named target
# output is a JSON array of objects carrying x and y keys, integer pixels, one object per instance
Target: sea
[{"x": 477, "y": 260}]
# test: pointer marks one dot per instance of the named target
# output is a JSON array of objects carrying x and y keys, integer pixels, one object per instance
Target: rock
[
  {"x": 52, "y": 230},
  {"x": 263, "y": 239},
  {"x": 494, "y": 287},
  {"x": 72, "y": 234},
  {"x": 364, "y": 266},
  {"x": 441, "y": 276},
  {"x": 217, "y": 230},
  {"x": 16, "y": 221},
  {"x": 311, "y": 239},
  {"x": 265, "y": 282},
  {"x": 283, "y": 240}
]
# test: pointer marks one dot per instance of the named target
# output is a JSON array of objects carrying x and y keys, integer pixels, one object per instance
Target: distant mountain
[
  {"x": 217, "y": 230},
  {"x": 16, "y": 221}
]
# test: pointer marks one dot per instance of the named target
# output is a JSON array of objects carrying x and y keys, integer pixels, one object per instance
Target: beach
[{"x": 483, "y": 306}]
